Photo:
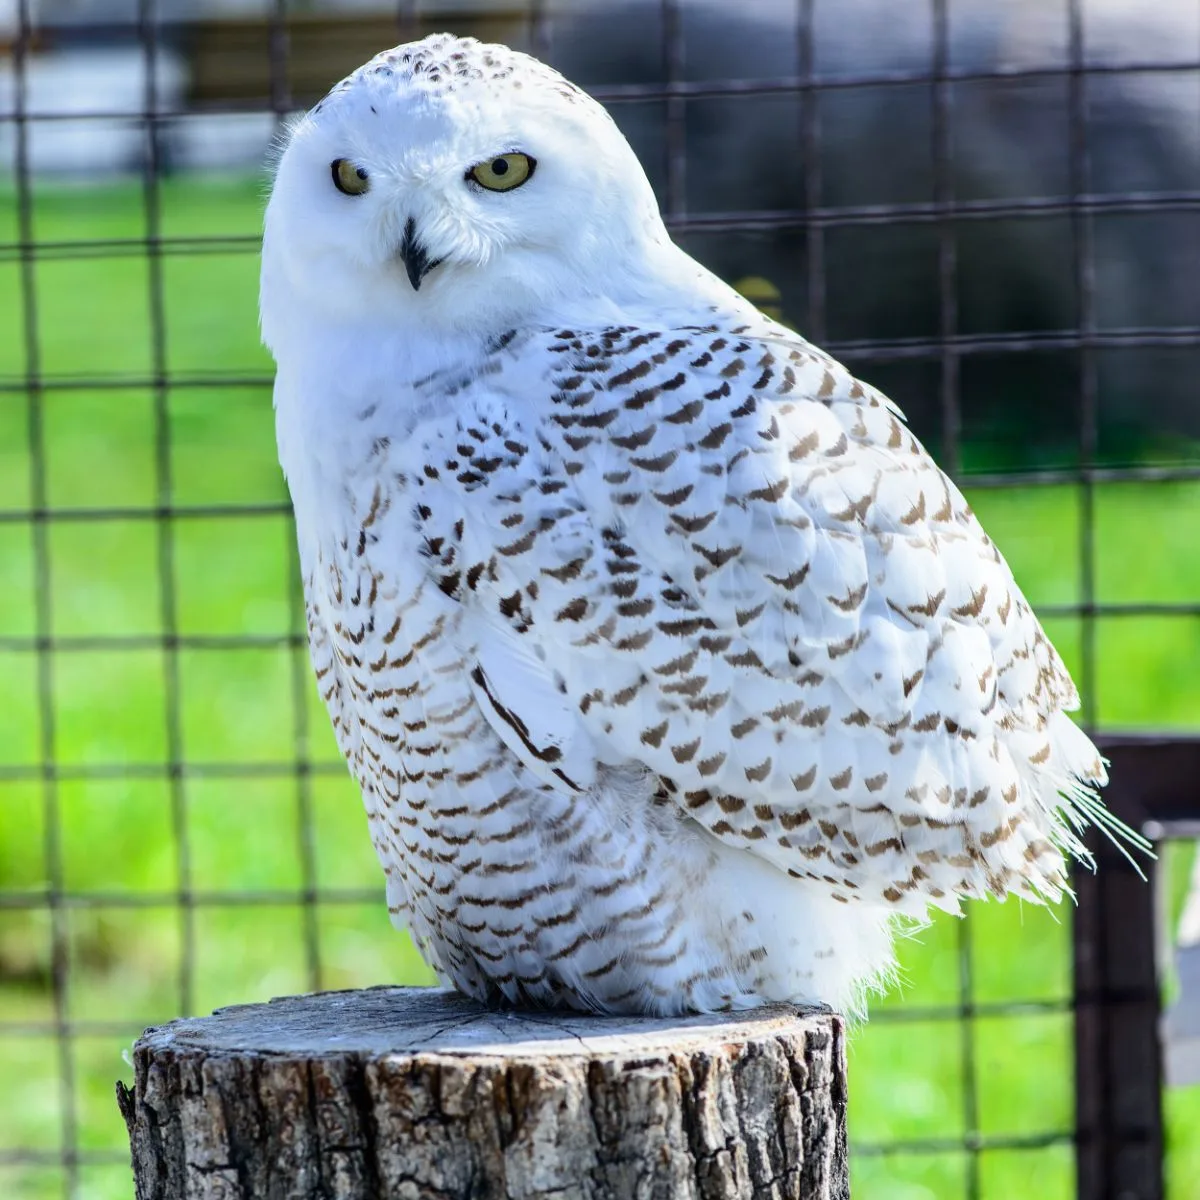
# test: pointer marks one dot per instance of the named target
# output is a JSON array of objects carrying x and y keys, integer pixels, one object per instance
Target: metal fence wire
[{"x": 991, "y": 211}]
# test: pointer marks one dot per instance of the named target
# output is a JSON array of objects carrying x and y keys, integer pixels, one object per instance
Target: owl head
[{"x": 451, "y": 185}]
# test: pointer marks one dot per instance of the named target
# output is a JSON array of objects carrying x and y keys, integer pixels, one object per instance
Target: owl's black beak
[{"x": 417, "y": 262}]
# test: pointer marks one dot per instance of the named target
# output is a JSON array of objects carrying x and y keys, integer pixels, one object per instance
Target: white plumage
[{"x": 672, "y": 668}]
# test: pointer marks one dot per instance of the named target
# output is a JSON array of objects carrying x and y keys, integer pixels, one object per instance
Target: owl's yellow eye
[
  {"x": 504, "y": 172},
  {"x": 348, "y": 177}
]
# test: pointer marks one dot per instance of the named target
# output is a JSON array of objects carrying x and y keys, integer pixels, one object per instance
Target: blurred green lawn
[{"x": 117, "y": 840}]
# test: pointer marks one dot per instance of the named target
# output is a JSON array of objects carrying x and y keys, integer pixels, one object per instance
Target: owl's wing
[{"x": 729, "y": 561}]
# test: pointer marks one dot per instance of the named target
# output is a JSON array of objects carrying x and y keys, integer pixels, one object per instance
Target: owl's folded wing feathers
[{"x": 724, "y": 558}]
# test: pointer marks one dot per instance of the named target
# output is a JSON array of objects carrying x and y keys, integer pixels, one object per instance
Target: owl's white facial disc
[{"x": 408, "y": 128}]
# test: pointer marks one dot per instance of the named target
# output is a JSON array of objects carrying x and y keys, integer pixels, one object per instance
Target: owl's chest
[
  {"x": 394, "y": 639},
  {"x": 410, "y": 573}
]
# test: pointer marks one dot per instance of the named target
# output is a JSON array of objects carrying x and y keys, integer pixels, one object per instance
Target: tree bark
[{"x": 415, "y": 1093}]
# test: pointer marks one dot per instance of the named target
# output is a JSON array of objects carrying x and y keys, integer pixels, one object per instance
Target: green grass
[{"x": 118, "y": 838}]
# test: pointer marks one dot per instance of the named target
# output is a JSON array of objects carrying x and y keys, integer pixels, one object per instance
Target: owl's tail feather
[{"x": 1078, "y": 770}]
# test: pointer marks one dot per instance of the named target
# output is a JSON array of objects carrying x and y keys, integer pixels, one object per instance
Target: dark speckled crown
[{"x": 445, "y": 63}]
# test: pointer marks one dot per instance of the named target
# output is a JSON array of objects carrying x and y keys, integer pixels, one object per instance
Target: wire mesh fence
[{"x": 992, "y": 212}]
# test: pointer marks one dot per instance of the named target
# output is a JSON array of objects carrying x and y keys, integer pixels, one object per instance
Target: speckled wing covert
[{"x": 717, "y": 554}]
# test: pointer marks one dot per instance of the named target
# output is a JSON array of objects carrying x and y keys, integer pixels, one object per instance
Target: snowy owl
[{"x": 671, "y": 667}]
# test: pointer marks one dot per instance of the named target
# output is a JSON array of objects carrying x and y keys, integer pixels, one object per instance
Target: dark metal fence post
[
  {"x": 1118, "y": 1069},
  {"x": 1118, "y": 1058}
]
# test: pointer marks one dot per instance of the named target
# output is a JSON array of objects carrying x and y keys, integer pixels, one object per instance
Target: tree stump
[{"x": 414, "y": 1093}]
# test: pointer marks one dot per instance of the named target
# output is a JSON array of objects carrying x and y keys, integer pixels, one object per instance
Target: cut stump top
[{"x": 425, "y": 1020}]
